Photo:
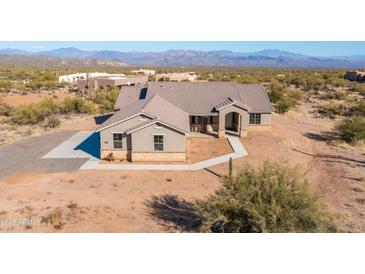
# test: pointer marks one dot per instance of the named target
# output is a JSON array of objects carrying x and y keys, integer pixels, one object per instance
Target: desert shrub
[
  {"x": 5, "y": 109},
  {"x": 360, "y": 88},
  {"x": 357, "y": 109},
  {"x": 294, "y": 95},
  {"x": 352, "y": 130},
  {"x": 48, "y": 106},
  {"x": 271, "y": 198},
  {"x": 275, "y": 91},
  {"x": 6, "y": 85},
  {"x": 338, "y": 95},
  {"x": 77, "y": 105},
  {"x": 34, "y": 113},
  {"x": 275, "y": 95},
  {"x": 27, "y": 115},
  {"x": 283, "y": 105},
  {"x": 106, "y": 99},
  {"x": 331, "y": 110},
  {"x": 53, "y": 122}
]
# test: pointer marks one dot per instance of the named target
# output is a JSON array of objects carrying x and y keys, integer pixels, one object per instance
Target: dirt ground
[
  {"x": 13, "y": 133},
  {"x": 123, "y": 201},
  {"x": 203, "y": 148},
  {"x": 16, "y": 100}
]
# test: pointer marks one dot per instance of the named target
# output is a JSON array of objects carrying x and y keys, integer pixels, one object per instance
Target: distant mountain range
[{"x": 189, "y": 58}]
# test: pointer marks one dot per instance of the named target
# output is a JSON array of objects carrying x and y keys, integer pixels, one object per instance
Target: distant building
[
  {"x": 111, "y": 81},
  {"x": 358, "y": 76},
  {"x": 177, "y": 76},
  {"x": 147, "y": 72},
  {"x": 73, "y": 78}
]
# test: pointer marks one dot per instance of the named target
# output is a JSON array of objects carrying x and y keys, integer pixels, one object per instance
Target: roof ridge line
[
  {"x": 239, "y": 95},
  {"x": 148, "y": 100}
]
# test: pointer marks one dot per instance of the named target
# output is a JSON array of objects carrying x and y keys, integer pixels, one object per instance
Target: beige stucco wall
[
  {"x": 266, "y": 118},
  {"x": 106, "y": 135},
  {"x": 243, "y": 118},
  {"x": 142, "y": 140},
  {"x": 265, "y": 123}
]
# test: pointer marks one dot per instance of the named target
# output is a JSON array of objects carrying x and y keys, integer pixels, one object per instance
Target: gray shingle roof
[
  {"x": 172, "y": 102},
  {"x": 168, "y": 113},
  {"x": 201, "y": 97},
  {"x": 123, "y": 113},
  {"x": 229, "y": 101},
  {"x": 156, "y": 107}
]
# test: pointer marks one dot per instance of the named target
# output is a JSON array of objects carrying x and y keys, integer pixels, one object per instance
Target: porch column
[
  {"x": 222, "y": 125},
  {"x": 243, "y": 124}
]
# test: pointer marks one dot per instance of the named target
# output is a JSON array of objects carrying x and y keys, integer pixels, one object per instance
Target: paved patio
[{"x": 85, "y": 144}]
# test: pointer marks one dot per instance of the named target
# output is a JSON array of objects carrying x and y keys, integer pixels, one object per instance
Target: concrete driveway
[{"x": 26, "y": 155}]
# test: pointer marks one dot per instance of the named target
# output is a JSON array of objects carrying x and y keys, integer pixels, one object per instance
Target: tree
[{"x": 270, "y": 198}]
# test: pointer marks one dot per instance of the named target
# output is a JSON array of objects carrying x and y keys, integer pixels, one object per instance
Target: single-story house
[
  {"x": 111, "y": 81},
  {"x": 152, "y": 123}
]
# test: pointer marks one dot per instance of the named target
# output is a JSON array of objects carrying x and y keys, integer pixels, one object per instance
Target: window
[
  {"x": 117, "y": 140},
  {"x": 200, "y": 120},
  {"x": 255, "y": 118},
  {"x": 158, "y": 142}
]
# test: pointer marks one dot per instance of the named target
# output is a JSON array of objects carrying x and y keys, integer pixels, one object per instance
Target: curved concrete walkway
[
  {"x": 238, "y": 148},
  {"x": 85, "y": 144}
]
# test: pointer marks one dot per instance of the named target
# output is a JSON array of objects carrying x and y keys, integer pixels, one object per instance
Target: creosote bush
[
  {"x": 352, "y": 130},
  {"x": 78, "y": 105},
  {"x": 35, "y": 113},
  {"x": 271, "y": 198},
  {"x": 106, "y": 99}
]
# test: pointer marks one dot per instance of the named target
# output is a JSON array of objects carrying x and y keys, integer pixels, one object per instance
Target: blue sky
[{"x": 309, "y": 48}]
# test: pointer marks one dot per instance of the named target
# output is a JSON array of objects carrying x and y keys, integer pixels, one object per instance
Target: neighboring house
[
  {"x": 152, "y": 123},
  {"x": 177, "y": 76},
  {"x": 147, "y": 72},
  {"x": 111, "y": 81},
  {"x": 73, "y": 78},
  {"x": 358, "y": 76}
]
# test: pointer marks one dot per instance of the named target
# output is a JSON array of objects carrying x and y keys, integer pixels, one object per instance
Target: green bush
[
  {"x": 34, "y": 113},
  {"x": 270, "y": 198},
  {"x": 106, "y": 99},
  {"x": 283, "y": 105},
  {"x": 77, "y": 105},
  {"x": 27, "y": 115},
  {"x": 360, "y": 88},
  {"x": 352, "y": 130},
  {"x": 275, "y": 96},
  {"x": 357, "y": 109},
  {"x": 6, "y": 85},
  {"x": 331, "y": 110}
]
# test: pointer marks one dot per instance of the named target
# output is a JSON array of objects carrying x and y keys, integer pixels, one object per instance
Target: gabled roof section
[
  {"x": 151, "y": 122},
  {"x": 167, "y": 112},
  {"x": 141, "y": 125},
  {"x": 199, "y": 98},
  {"x": 226, "y": 102},
  {"x": 154, "y": 107},
  {"x": 123, "y": 114}
]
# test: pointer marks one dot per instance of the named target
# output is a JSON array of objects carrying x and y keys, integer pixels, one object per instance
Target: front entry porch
[{"x": 230, "y": 121}]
